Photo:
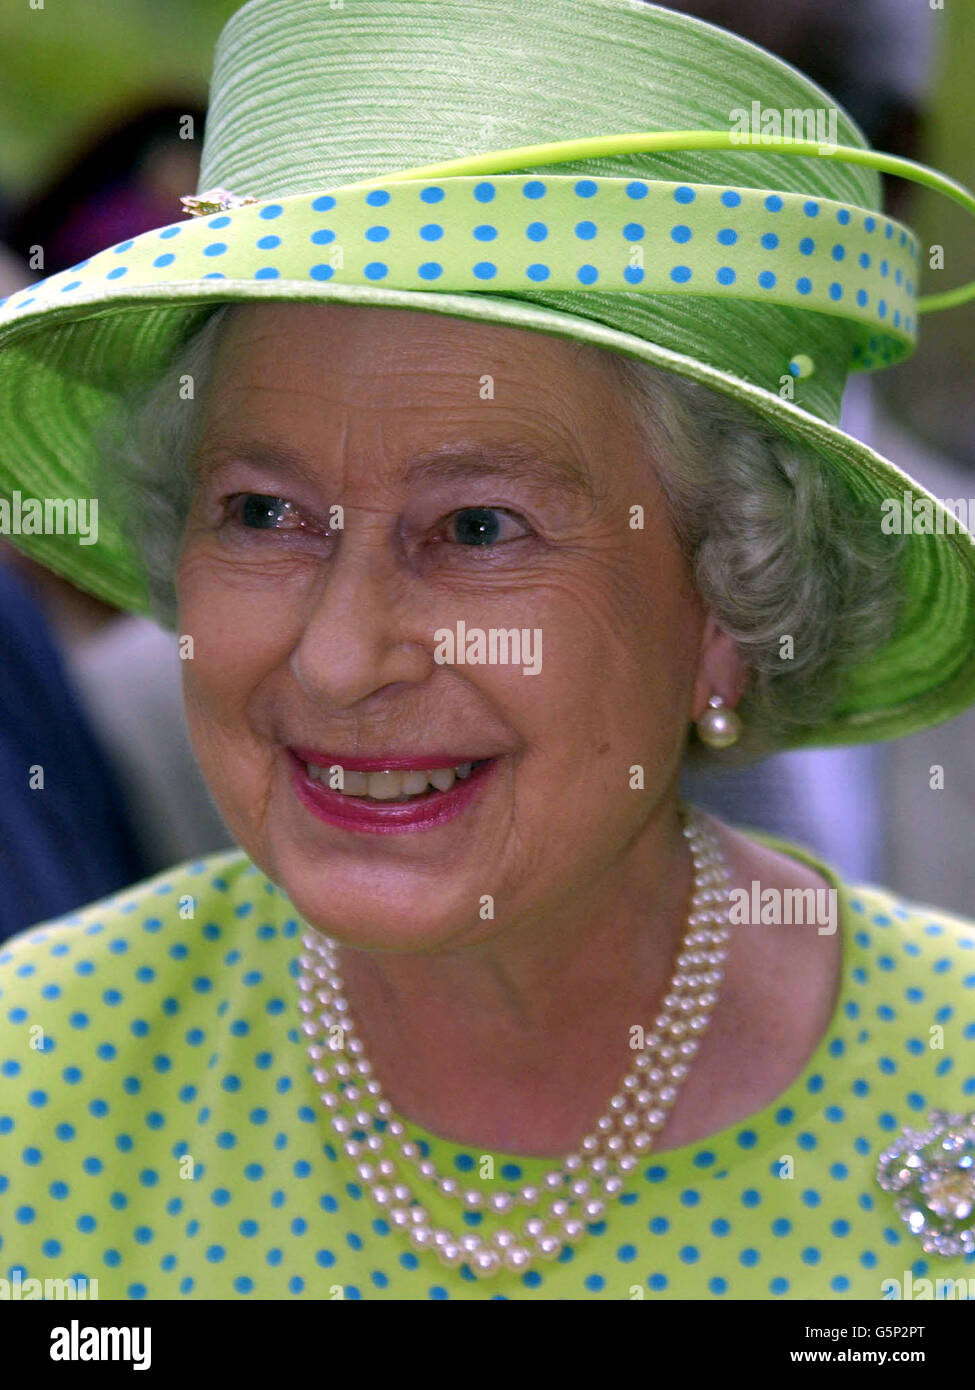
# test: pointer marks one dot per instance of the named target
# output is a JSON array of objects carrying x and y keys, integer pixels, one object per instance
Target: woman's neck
[{"x": 516, "y": 1043}]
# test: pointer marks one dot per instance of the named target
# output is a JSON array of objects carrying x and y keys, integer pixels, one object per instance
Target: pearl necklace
[{"x": 578, "y": 1189}]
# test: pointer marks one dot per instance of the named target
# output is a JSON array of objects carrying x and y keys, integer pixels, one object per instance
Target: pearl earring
[{"x": 718, "y": 726}]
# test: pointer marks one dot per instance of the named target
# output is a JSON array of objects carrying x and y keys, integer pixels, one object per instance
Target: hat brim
[{"x": 66, "y": 368}]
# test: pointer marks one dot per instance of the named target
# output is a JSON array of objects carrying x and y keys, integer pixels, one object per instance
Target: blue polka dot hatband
[{"x": 514, "y": 232}]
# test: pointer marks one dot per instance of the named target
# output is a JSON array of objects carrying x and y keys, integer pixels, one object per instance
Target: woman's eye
[
  {"x": 485, "y": 526},
  {"x": 261, "y": 512}
]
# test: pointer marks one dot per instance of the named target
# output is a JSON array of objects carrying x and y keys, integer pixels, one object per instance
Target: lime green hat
[{"x": 602, "y": 170}]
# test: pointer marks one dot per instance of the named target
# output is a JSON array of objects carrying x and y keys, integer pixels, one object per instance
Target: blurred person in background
[
  {"x": 64, "y": 828},
  {"x": 122, "y": 178},
  {"x": 88, "y": 694}
]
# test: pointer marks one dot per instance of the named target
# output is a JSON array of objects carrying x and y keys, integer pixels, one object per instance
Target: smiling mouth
[
  {"x": 385, "y": 786},
  {"x": 388, "y": 794}
]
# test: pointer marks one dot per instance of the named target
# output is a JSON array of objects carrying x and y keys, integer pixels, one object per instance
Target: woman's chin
[{"x": 373, "y": 911}]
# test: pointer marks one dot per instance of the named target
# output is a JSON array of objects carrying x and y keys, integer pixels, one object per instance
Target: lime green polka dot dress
[{"x": 160, "y": 1130}]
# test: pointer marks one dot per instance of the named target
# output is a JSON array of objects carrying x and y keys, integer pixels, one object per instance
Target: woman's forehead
[
  {"x": 360, "y": 338},
  {"x": 355, "y": 370}
]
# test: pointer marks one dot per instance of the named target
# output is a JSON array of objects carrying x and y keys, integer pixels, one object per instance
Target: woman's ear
[{"x": 720, "y": 669}]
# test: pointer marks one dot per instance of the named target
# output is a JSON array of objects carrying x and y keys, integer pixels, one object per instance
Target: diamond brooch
[{"x": 932, "y": 1171}]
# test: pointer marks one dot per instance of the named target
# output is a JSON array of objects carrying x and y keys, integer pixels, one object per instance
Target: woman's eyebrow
[
  {"x": 458, "y": 462},
  {"x": 445, "y": 463},
  {"x": 213, "y": 458}
]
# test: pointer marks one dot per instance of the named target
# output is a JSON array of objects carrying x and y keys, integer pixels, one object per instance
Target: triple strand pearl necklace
[{"x": 572, "y": 1195}]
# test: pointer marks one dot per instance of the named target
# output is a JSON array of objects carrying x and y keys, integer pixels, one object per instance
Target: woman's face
[{"x": 486, "y": 476}]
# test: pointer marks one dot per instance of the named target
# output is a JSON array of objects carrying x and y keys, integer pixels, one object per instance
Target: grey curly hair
[{"x": 779, "y": 547}]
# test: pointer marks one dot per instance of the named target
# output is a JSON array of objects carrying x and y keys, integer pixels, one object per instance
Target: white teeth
[{"x": 393, "y": 786}]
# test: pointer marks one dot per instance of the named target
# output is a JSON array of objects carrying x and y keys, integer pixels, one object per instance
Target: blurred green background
[
  {"x": 932, "y": 391},
  {"x": 69, "y": 66}
]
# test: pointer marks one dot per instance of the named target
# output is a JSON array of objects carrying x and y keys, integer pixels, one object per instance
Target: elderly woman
[{"x": 462, "y": 573}]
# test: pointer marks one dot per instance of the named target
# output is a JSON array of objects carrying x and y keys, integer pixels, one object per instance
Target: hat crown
[{"x": 308, "y": 95}]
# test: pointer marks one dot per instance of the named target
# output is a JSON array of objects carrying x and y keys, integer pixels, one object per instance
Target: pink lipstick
[{"x": 423, "y": 812}]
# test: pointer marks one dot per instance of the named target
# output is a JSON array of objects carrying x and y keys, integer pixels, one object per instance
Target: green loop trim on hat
[
  {"x": 673, "y": 141},
  {"x": 515, "y": 233}
]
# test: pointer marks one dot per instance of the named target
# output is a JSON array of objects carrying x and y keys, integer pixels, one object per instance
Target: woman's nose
[{"x": 362, "y": 634}]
